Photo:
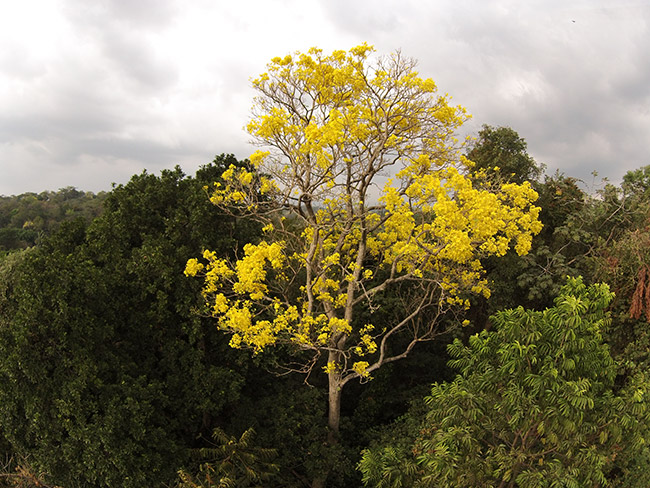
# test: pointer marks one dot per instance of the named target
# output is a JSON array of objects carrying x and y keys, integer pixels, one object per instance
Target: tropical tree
[
  {"x": 26, "y": 218},
  {"x": 624, "y": 262},
  {"x": 501, "y": 150},
  {"x": 535, "y": 404},
  {"x": 232, "y": 463},
  {"x": 340, "y": 235},
  {"x": 106, "y": 376}
]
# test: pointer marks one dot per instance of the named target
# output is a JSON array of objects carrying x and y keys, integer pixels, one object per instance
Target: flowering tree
[{"x": 339, "y": 232}]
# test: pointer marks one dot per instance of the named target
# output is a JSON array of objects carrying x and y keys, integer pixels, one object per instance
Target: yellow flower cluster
[
  {"x": 193, "y": 267},
  {"x": 455, "y": 222},
  {"x": 240, "y": 185},
  {"x": 251, "y": 269},
  {"x": 360, "y": 367},
  {"x": 366, "y": 344},
  {"x": 331, "y": 368},
  {"x": 238, "y": 318},
  {"x": 334, "y": 125}
]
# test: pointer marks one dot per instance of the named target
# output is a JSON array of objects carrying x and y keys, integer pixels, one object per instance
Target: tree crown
[{"x": 363, "y": 189}]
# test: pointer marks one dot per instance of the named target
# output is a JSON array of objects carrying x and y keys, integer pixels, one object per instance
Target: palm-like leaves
[{"x": 232, "y": 463}]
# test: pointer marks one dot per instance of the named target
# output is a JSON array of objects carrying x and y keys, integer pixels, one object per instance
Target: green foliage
[
  {"x": 106, "y": 374},
  {"x": 292, "y": 419},
  {"x": 560, "y": 197},
  {"x": 500, "y": 150},
  {"x": 535, "y": 404},
  {"x": 625, "y": 260},
  {"x": 232, "y": 463},
  {"x": 636, "y": 183},
  {"x": 25, "y": 218},
  {"x": 532, "y": 280},
  {"x": 562, "y": 249},
  {"x": 17, "y": 473}
]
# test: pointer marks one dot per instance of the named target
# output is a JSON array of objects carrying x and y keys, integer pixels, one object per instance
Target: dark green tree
[
  {"x": 500, "y": 150},
  {"x": 27, "y": 217},
  {"x": 232, "y": 463},
  {"x": 107, "y": 374},
  {"x": 623, "y": 260}
]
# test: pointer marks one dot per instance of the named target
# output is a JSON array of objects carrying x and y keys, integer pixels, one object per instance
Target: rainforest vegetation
[{"x": 366, "y": 302}]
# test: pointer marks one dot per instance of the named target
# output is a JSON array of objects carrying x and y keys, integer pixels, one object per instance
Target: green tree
[
  {"x": 25, "y": 218},
  {"x": 232, "y": 463},
  {"x": 624, "y": 261},
  {"x": 106, "y": 375},
  {"x": 563, "y": 248},
  {"x": 535, "y": 404},
  {"x": 500, "y": 150}
]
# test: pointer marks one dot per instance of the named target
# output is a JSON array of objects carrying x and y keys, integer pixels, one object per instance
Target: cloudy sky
[{"x": 94, "y": 91}]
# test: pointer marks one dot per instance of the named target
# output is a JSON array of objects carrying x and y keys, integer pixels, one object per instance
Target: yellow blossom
[
  {"x": 331, "y": 367},
  {"x": 360, "y": 367},
  {"x": 193, "y": 267},
  {"x": 334, "y": 124}
]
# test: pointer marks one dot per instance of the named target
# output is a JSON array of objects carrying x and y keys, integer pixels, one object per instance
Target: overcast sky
[{"x": 95, "y": 91}]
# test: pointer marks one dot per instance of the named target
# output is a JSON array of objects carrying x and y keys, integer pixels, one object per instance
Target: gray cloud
[
  {"x": 577, "y": 91},
  {"x": 122, "y": 33},
  {"x": 115, "y": 86}
]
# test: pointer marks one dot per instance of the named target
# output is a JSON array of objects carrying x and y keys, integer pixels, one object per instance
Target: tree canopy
[
  {"x": 106, "y": 376},
  {"x": 535, "y": 404},
  {"x": 501, "y": 150},
  {"x": 25, "y": 218}
]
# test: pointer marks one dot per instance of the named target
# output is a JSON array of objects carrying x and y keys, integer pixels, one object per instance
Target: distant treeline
[{"x": 26, "y": 217}]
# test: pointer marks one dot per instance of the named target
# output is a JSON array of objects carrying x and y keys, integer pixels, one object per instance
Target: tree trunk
[
  {"x": 334, "y": 408},
  {"x": 333, "y": 416}
]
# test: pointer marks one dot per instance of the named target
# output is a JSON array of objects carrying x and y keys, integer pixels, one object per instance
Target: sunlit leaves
[{"x": 534, "y": 404}]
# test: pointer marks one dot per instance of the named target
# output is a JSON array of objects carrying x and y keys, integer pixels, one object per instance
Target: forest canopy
[{"x": 460, "y": 317}]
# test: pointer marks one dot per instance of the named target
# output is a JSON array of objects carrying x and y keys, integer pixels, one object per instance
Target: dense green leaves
[
  {"x": 106, "y": 373},
  {"x": 500, "y": 150},
  {"x": 25, "y": 218},
  {"x": 535, "y": 404},
  {"x": 232, "y": 463}
]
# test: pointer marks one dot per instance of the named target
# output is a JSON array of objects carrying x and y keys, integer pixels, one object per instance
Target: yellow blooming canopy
[{"x": 338, "y": 233}]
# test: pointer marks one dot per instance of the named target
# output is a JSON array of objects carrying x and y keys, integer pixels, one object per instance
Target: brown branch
[{"x": 640, "y": 294}]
